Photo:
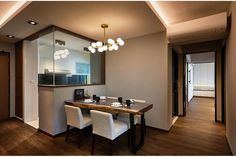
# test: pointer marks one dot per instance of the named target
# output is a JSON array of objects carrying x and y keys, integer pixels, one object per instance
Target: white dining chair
[
  {"x": 137, "y": 118},
  {"x": 105, "y": 126},
  {"x": 76, "y": 119}
]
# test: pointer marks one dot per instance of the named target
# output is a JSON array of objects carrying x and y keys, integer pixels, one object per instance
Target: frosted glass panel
[{"x": 45, "y": 59}]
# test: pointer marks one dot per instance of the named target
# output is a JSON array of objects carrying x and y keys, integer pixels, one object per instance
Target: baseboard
[
  {"x": 203, "y": 97},
  {"x": 174, "y": 120},
  {"x": 228, "y": 144},
  {"x": 190, "y": 99},
  {"x": 158, "y": 129},
  {"x": 47, "y": 133},
  {"x": 21, "y": 119}
]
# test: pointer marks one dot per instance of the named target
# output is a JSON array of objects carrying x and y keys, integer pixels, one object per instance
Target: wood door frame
[
  {"x": 175, "y": 107},
  {"x": 9, "y": 76},
  {"x": 184, "y": 80},
  {"x": 223, "y": 66}
]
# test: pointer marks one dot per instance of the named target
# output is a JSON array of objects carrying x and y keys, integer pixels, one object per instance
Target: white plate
[
  {"x": 116, "y": 104},
  {"x": 102, "y": 97},
  {"x": 88, "y": 100}
]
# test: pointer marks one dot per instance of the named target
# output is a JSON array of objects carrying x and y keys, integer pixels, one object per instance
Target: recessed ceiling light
[
  {"x": 10, "y": 36},
  {"x": 32, "y": 22}
]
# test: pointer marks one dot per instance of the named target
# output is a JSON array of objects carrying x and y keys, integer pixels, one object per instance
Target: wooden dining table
[{"x": 134, "y": 109}]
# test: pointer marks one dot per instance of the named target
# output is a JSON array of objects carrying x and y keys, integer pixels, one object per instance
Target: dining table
[{"x": 106, "y": 105}]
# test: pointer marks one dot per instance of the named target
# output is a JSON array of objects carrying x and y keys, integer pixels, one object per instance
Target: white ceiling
[
  {"x": 125, "y": 19},
  {"x": 207, "y": 57},
  {"x": 173, "y": 12}
]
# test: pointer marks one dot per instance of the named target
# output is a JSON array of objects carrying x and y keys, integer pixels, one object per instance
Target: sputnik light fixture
[{"x": 104, "y": 45}]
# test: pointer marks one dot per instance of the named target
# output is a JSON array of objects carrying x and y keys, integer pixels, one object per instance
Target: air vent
[
  {"x": 60, "y": 42},
  {"x": 86, "y": 49}
]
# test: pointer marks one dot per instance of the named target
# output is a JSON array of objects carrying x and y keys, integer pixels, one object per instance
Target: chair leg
[
  {"x": 93, "y": 142},
  {"x": 111, "y": 147},
  {"x": 79, "y": 138},
  {"x": 67, "y": 132},
  {"x": 128, "y": 134}
]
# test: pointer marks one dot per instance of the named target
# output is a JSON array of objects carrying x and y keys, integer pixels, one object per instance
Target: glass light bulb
[
  {"x": 99, "y": 43},
  {"x": 63, "y": 56},
  {"x": 115, "y": 47},
  {"x": 110, "y": 41},
  {"x": 121, "y": 43},
  {"x": 66, "y": 52},
  {"x": 59, "y": 52},
  {"x": 110, "y": 48},
  {"x": 56, "y": 57},
  {"x": 105, "y": 47},
  {"x": 94, "y": 45},
  {"x": 93, "y": 50},
  {"x": 100, "y": 49},
  {"x": 90, "y": 48},
  {"x": 118, "y": 40}
]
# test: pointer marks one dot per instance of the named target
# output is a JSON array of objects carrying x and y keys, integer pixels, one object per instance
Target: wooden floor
[{"x": 195, "y": 134}]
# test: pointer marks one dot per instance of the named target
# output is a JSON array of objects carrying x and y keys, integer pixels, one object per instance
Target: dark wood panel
[
  {"x": 4, "y": 85},
  {"x": 19, "y": 59},
  {"x": 19, "y": 79},
  {"x": 19, "y": 97},
  {"x": 52, "y": 28}
]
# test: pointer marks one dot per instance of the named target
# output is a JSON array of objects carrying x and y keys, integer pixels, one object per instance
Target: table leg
[
  {"x": 132, "y": 133},
  {"x": 142, "y": 130},
  {"x": 134, "y": 147}
]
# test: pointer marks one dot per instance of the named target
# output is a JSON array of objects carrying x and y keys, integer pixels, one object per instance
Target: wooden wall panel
[
  {"x": 4, "y": 85},
  {"x": 19, "y": 79}
]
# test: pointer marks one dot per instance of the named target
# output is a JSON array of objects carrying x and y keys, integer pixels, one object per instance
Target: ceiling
[
  {"x": 126, "y": 19},
  {"x": 207, "y": 57},
  {"x": 173, "y": 12},
  {"x": 8, "y": 9},
  {"x": 5, "y": 6}
]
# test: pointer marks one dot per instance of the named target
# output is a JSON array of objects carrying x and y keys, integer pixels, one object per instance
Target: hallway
[
  {"x": 202, "y": 109},
  {"x": 200, "y": 133}
]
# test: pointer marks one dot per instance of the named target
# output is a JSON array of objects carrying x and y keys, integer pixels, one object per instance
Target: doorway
[
  {"x": 4, "y": 85},
  {"x": 200, "y": 84}
]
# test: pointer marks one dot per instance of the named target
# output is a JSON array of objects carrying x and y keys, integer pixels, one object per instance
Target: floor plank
[{"x": 195, "y": 134}]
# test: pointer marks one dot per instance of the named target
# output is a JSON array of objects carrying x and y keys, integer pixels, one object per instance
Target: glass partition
[
  {"x": 45, "y": 59},
  {"x": 65, "y": 60}
]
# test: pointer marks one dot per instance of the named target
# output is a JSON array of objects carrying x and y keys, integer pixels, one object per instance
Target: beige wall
[
  {"x": 30, "y": 80},
  {"x": 52, "y": 118},
  {"x": 140, "y": 70},
  {"x": 231, "y": 83},
  {"x": 7, "y": 47}
]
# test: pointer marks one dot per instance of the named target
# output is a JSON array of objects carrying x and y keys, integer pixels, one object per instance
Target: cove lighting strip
[{"x": 15, "y": 9}]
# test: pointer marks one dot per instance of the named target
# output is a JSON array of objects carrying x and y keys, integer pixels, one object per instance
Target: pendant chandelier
[{"x": 104, "y": 45}]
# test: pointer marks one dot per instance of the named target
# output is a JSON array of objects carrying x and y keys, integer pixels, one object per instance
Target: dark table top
[{"x": 105, "y": 105}]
